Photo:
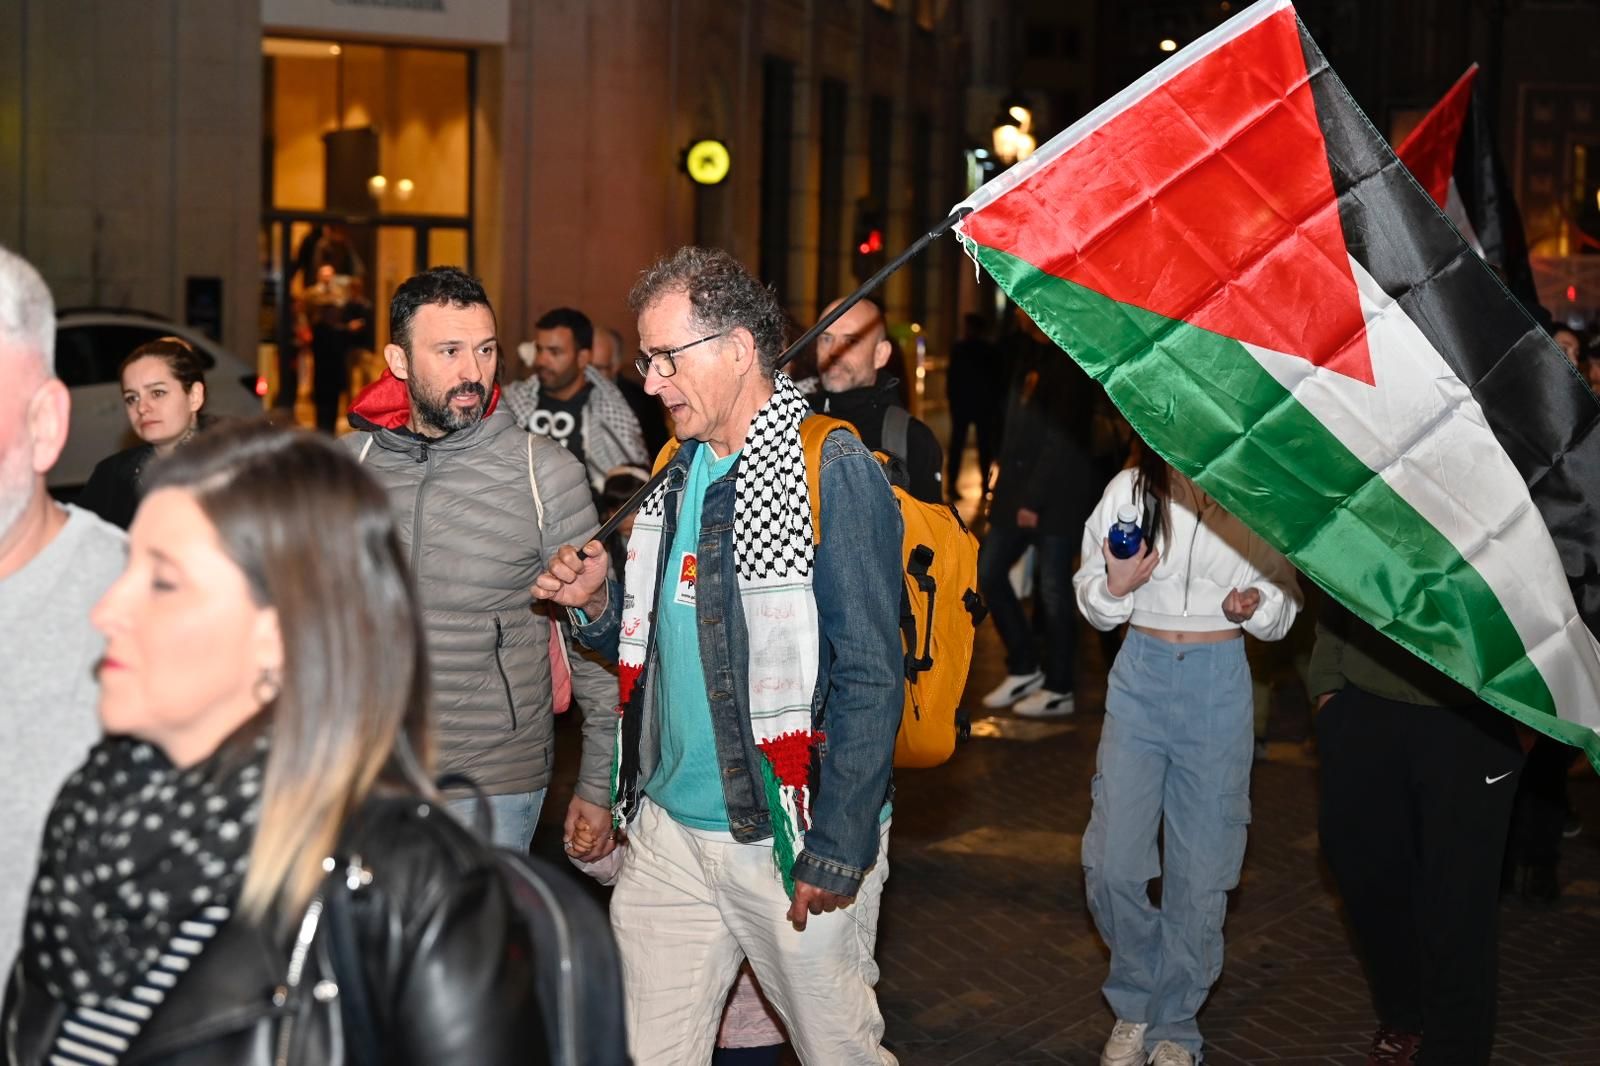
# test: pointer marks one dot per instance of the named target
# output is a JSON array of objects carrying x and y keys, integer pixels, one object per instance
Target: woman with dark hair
[
  {"x": 163, "y": 392},
  {"x": 252, "y": 867},
  {"x": 620, "y": 485},
  {"x": 1176, "y": 747}
]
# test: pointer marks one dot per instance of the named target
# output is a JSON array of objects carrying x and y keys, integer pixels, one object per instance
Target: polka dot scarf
[{"x": 133, "y": 847}]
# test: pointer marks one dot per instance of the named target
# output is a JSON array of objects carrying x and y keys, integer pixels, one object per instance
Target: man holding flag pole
[
  {"x": 1285, "y": 315},
  {"x": 761, "y": 687}
]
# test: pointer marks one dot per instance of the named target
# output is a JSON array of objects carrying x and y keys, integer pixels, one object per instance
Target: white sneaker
[
  {"x": 1013, "y": 688},
  {"x": 1125, "y": 1046},
  {"x": 1169, "y": 1054},
  {"x": 1042, "y": 703}
]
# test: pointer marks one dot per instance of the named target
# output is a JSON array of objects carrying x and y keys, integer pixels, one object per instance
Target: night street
[
  {"x": 449, "y": 446},
  {"x": 988, "y": 955}
]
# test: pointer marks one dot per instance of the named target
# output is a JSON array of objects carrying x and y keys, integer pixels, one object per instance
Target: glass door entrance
[{"x": 367, "y": 179}]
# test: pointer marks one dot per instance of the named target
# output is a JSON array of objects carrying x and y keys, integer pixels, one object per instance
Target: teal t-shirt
[{"x": 687, "y": 783}]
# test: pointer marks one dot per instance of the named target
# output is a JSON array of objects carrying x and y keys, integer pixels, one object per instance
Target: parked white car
[{"x": 91, "y": 344}]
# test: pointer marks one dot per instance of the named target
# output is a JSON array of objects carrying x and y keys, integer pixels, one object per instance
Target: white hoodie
[{"x": 1206, "y": 554}]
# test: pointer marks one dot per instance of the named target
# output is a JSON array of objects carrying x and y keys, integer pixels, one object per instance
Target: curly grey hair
[{"x": 723, "y": 295}]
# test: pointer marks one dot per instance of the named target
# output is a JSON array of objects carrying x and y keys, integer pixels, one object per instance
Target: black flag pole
[{"x": 638, "y": 498}]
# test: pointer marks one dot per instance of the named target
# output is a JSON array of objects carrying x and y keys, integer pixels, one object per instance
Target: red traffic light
[{"x": 873, "y": 243}]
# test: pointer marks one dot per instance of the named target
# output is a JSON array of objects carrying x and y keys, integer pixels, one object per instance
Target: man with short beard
[
  {"x": 55, "y": 563},
  {"x": 480, "y": 503},
  {"x": 571, "y": 402}
]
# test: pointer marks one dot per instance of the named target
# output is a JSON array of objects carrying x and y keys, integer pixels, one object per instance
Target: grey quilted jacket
[{"x": 467, "y": 519}]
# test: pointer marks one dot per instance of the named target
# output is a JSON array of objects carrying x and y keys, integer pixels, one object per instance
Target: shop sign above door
[{"x": 455, "y": 21}]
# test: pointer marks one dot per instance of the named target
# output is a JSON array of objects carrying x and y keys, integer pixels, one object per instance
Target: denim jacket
[{"x": 860, "y": 685}]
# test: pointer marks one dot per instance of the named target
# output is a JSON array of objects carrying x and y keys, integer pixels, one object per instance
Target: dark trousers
[
  {"x": 288, "y": 374},
  {"x": 1052, "y": 602},
  {"x": 963, "y": 414},
  {"x": 1416, "y": 802},
  {"x": 330, "y": 377},
  {"x": 1541, "y": 810}
]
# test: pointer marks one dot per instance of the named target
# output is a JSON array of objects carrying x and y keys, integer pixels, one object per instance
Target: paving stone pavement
[{"x": 988, "y": 955}]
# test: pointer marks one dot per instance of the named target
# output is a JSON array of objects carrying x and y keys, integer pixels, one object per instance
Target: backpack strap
[
  {"x": 664, "y": 456},
  {"x": 558, "y": 642},
  {"x": 896, "y": 431},
  {"x": 533, "y": 487},
  {"x": 813, "y": 433}
]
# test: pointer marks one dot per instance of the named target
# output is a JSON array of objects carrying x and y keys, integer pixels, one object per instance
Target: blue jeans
[
  {"x": 511, "y": 817},
  {"x": 1175, "y": 748},
  {"x": 1052, "y": 599}
]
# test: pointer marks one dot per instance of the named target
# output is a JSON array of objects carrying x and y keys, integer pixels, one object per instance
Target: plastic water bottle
[{"x": 1126, "y": 535}]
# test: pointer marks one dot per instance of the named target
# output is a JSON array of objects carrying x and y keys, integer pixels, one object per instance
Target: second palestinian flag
[
  {"x": 1233, "y": 251},
  {"x": 1452, "y": 155}
]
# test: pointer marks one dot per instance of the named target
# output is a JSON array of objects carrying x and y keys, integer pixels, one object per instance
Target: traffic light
[{"x": 868, "y": 251}]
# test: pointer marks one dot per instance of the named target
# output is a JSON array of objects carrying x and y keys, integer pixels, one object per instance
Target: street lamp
[{"x": 1013, "y": 132}]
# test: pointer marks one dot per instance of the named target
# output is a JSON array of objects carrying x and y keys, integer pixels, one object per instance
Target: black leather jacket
[{"x": 444, "y": 956}]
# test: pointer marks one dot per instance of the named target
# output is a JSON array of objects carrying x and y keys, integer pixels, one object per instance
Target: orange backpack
[
  {"x": 939, "y": 604},
  {"x": 939, "y": 608}
]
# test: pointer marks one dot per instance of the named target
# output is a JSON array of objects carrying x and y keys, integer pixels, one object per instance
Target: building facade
[{"x": 148, "y": 143}]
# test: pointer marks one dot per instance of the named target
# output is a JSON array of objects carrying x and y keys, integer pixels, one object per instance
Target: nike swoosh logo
[{"x": 1491, "y": 780}]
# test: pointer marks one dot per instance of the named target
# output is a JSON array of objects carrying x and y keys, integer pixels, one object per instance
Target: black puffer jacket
[{"x": 445, "y": 967}]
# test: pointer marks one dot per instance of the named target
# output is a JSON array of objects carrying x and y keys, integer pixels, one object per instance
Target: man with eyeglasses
[
  {"x": 851, "y": 357},
  {"x": 761, "y": 689}
]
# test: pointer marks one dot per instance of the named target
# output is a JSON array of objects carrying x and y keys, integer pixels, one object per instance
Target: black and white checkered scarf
[
  {"x": 773, "y": 552},
  {"x": 611, "y": 435}
]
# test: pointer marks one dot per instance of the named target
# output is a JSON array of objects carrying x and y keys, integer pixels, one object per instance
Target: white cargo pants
[{"x": 690, "y": 906}]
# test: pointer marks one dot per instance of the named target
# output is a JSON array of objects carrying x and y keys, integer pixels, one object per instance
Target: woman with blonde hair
[{"x": 252, "y": 866}]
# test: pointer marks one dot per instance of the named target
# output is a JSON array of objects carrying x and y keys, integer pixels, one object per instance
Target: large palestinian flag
[
  {"x": 1451, "y": 153},
  {"x": 1233, "y": 251}
]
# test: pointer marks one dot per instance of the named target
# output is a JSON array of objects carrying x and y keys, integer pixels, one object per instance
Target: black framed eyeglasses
[{"x": 663, "y": 362}]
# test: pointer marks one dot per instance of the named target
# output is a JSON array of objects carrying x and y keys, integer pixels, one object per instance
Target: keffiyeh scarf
[
  {"x": 611, "y": 435},
  {"x": 772, "y": 537}
]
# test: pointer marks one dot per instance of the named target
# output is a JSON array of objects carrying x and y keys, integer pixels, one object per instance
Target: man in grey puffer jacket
[{"x": 480, "y": 502}]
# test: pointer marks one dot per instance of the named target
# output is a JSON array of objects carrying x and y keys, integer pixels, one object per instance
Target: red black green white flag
[
  {"x": 1451, "y": 153},
  {"x": 1278, "y": 308}
]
